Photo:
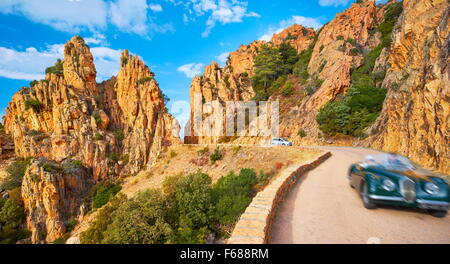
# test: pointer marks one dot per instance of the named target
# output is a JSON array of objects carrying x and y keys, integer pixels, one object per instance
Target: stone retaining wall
[{"x": 255, "y": 223}]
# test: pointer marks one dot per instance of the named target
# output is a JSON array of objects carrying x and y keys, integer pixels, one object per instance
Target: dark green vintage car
[{"x": 394, "y": 180}]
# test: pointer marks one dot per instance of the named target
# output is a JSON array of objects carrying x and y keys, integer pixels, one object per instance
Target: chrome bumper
[
  {"x": 386, "y": 198},
  {"x": 424, "y": 204},
  {"x": 435, "y": 205}
]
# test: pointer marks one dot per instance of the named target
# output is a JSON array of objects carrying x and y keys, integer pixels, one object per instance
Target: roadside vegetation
[
  {"x": 187, "y": 209},
  {"x": 103, "y": 192}
]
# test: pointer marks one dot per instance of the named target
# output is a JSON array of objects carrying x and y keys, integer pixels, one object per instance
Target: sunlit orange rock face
[
  {"x": 415, "y": 116},
  {"x": 114, "y": 128},
  {"x": 297, "y": 36},
  {"x": 231, "y": 83}
]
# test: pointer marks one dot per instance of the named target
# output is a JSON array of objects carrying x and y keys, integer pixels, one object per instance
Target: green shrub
[
  {"x": 124, "y": 61},
  {"x": 12, "y": 219},
  {"x": 279, "y": 82},
  {"x": 60, "y": 241},
  {"x": 98, "y": 136},
  {"x": 33, "y": 104},
  {"x": 232, "y": 194},
  {"x": 77, "y": 163},
  {"x": 390, "y": 18},
  {"x": 290, "y": 37},
  {"x": 186, "y": 212},
  {"x": 56, "y": 69},
  {"x": 71, "y": 224},
  {"x": 302, "y": 133},
  {"x": 217, "y": 155},
  {"x": 144, "y": 80},
  {"x": 50, "y": 167},
  {"x": 102, "y": 193},
  {"x": 350, "y": 116},
  {"x": 351, "y": 41},
  {"x": 113, "y": 157},
  {"x": 15, "y": 173},
  {"x": 140, "y": 221},
  {"x": 192, "y": 211},
  {"x": 96, "y": 115},
  {"x": 119, "y": 135},
  {"x": 33, "y": 83},
  {"x": 340, "y": 37},
  {"x": 288, "y": 88},
  {"x": 96, "y": 231},
  {"x": 33, "y": 133}
]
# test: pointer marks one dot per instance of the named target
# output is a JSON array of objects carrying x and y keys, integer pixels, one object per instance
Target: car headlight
[
  {"x": 431, "y": 188},
  {"x": 388, "y": 185}
]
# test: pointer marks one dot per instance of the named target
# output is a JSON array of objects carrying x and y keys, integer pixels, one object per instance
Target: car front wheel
[
  {"x": 368, "y": 203},
  {"x": 438, "y": 213}
]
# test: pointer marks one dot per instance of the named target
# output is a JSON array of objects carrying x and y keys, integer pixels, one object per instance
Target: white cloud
[
  {"x": 219, "y": 11},
  {"x": 96, "y": 39},
  {"x": 70, "y": 16},
  {"x": 30, "y": 64},
  {"x": 156, "y": 7},
  {"x": 74, "y": 16},
  {"x": 222, "y": 58},
  {"x": 107, "y": 62},
  {"x": 333, "y": 2},
  {"x": 191, "y": 70},
  {"x": 300, "y": 20},
  {"x": 268, "y": 35},
  {"x": 130, "y": 15}
]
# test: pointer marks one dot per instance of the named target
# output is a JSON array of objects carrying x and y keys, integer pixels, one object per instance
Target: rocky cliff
[
  {"x": 113, "y": 128},
  {"x": 231, "y": 83},
  {"x": 339, "y": 48},
  {"x": 415, "y": 116},
  {"x": 410, "y": 62},
  {"x": 332, "y": 58},
  {"x": 297, "y": 36},
  {"x": 53, "y": 196}
]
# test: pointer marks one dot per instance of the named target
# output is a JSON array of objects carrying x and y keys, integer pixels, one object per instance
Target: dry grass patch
[{"x": 192, "y": 158}]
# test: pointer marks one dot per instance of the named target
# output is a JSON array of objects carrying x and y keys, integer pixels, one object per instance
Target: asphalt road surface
[{"x": 322, "y": 208}]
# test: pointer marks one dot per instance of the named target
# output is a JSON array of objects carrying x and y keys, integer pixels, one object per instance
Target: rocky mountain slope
[
  {"x": 415, "y": 116},
  {"x": 397, "y": 51},
  {"x": 83, "y": 132}
]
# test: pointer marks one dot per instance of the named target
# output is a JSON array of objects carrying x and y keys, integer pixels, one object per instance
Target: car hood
[{"x": 415, "y": 175}]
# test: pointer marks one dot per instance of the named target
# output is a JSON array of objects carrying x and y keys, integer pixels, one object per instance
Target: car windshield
[{"x": 389, "y": 162}]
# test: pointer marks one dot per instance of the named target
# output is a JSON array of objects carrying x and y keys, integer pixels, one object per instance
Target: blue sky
[{"x": 176, "y": 38}]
